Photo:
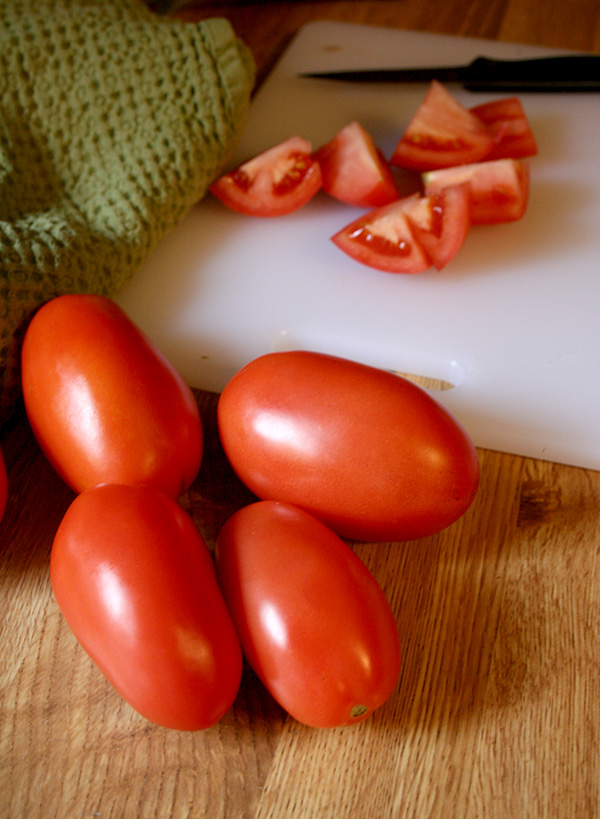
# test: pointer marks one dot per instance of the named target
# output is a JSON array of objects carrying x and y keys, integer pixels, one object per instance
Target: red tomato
[
  {"x": 104, "y": 403},
  {"x": 368, "y": 452},
  {"x": 314, "y": 624},
  {"x": 507, "y": 122},
  {"x": 137, "y": 586},
  {"x": 354, "y": 170},
  {"x": 411, "y": 234},
  {"x": 384, "y": 239},
  {"x": 3, "y": 486},
  {"x": 499, "y": 189},
  {"x": 275, "y": 182},
  {"x": 442, "y": 133}
]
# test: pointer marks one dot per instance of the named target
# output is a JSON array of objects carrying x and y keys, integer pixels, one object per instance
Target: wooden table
[{"x": 497, "y": 711}]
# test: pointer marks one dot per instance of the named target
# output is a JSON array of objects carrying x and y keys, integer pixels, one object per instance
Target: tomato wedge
[
  {"x": 354, "y": 170},
  {"x": 499, "y": 189},
  {"x": 411, "y": 234},
  {"x": 274, "y": 183},
  {"x": 507, "y": 121},
  {"x": 442, "y": 133}
]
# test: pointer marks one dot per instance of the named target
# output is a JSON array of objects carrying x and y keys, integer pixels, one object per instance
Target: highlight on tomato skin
[
  {"x": 314, "y": 624},
  {"x": 136, "y": 584}
]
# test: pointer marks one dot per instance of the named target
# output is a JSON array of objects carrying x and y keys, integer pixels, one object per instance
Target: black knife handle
[{"x": 561, "y": 73}]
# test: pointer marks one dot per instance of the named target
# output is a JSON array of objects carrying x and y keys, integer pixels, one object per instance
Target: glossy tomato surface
[
  {"x": 441, "y": 133},
  {"x": 499, "y": 189},
  {"x": 3, "y": 486},
  {"x": 368, "y": 452},
  {"x": 103, "y": 402},
  {"x": 274, "y": 183},
  {"x": 137, "y": 586},
  {"x": 313, "y": 622},
  {"x": 354, "y": 170}
]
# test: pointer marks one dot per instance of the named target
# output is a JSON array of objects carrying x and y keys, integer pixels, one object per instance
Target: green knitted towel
[{"x": 113, "y": 122}]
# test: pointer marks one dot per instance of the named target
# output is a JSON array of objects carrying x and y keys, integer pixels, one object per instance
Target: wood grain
[{"x": 496, "y": 711}]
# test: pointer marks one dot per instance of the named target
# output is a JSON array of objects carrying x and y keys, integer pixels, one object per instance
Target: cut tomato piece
[
  {"x": 507, "y": 122},
  {"x": 441, "y": 222},
  {"x": 499, "y": 189},
  {"x": 383, "y": 239},
  {"x": 442, "y": 133},
  {"x": 274, "y": 183},
  {"x": 354, "y": 170}
]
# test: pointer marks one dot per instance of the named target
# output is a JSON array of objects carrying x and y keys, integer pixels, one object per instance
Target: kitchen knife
[{"x": 576, "y": 72}]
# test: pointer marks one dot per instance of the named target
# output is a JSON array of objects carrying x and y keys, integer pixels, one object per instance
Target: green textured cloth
[{"x": 113, "y": 122}]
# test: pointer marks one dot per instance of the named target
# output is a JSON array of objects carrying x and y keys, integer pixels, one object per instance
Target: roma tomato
[
  {"x": 137, "y": 586},
  {"x": 354, "y": 170},
  {"x": 368, "y": 452},
  {"x": 274, "y": 183},
  {"x": 499, "y": 189},
  {"x": 411, "y": 234},
  {"x": 3, "y": 486},
  {"x": 506, "y": 120},
  {"x": 441, "y": 133},
  {"x": 104, "y": 403},
  {"x": 314, "y": 624}
]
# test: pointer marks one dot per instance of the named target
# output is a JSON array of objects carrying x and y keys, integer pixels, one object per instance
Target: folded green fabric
[{"x": 113, "y": 122}]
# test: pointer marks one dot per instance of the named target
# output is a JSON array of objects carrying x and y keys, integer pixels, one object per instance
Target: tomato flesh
[
  {"x": 103, "y": 402},
  {"x": 313, "y": 622},
  {"x": 368, "y": 452},
  {"x": 442, "y": 133},
  {"x": 136, "y": 584},
  {"x": 354, "y": 170},
  {"x": 506, "y": 120},
  {"x": 274, "y": 183},
  {"x": 499, "y": 189}
]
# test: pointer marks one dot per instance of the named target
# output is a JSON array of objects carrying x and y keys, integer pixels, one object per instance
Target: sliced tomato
[
  {"x": 440, "y": 222},
  {"x": 499, "y": 189},
  {"x": 383, "y": 239},
  {"x": 507, "y": 122},
  {"x": 354, "y": 170},
  {"x": 442, "y": 133},
  {"x": 274, "y": 183}
]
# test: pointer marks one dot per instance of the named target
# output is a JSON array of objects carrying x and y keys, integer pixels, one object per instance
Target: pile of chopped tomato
[{"x": 471, "y": 166}]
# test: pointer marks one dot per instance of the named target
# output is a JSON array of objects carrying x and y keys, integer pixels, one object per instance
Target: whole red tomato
[
  {"x": 137, "y": 586},
  {"x": 104, "y": 403},
  {"x": 368, "y": 452},
  {"x": 3, "y": 486},
  {"x": 313, "y": 622}
]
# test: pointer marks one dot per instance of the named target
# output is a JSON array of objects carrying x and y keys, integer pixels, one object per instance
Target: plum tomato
[
  {"x": 274, "y": 183},
  {"x": 136, "y": 584},
  {"x": 313, "y": 622},
  {"x": 499, "y": 189},
  {"x": 354, "y": 170},
  {"x": 103, "y": 402},
  {"x": 442, "y": 133},
  {"x": 368, "y": 452}
]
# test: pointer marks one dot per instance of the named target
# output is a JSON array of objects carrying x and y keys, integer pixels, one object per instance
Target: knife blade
[{"x": 572, "y": 72}]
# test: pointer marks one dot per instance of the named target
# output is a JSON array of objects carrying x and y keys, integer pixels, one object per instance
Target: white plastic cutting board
[{"x": 512, "y": 321}]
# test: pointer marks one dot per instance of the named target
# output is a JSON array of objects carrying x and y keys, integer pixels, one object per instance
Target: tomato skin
[
  {"x": 505, "y": 118},
  {"x": 3, "y": 486},
  {"x": 137, "y": 586},
  {"x": 104, "y": 403},
  {"x": 274, "y": 183},
  {"x": 442, "y": 133},
  {"x": 368, "y": 452},
  {"x": 499, "y": 189},
  {"x": 354, "y": 170},
  {"x": 313, "y": 622}
]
